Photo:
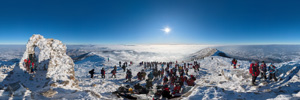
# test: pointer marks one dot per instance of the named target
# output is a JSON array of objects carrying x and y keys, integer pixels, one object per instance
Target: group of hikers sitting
[
  {"x": 256, "y": 70},
  {"x": 173, "y": 78},
  {"x": 29, "y": 63}
]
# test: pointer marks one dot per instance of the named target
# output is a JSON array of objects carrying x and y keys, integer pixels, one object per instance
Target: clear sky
[{"x": 143, "y": 22}]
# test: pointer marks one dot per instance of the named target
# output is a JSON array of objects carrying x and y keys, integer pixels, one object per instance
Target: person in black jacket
[
  {"x": 166, "y": 92},
  {"x": 102, "y": 73},
  {"x": 92, "y": 73}
]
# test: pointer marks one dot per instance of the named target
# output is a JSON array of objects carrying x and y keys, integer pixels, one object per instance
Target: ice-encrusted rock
[{"x": 53, "y": 58}]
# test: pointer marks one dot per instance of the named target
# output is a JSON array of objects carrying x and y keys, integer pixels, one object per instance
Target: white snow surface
[{"x": 211, "y": 83}]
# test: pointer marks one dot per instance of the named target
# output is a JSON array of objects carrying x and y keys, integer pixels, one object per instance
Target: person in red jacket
[
  {"x": 234, "y": 62},
  {"x": 254, "y": 71},
  {"x": 176, "y": 88},
  {"x": 114, "y": 71}
]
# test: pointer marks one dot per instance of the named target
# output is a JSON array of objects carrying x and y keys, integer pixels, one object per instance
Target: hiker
[
  {"x": 155, "y": 74},
  {"x": 181, "y": 80},
  {"x": 92, "y": 73},
  {"x": 138, "y": 88},
  {"x": 263, "y": 70},
  {"x": 159, "y": 75},
  {"x": 191, "y": 81},
  {"x": 234, "y": 62},
  {"x": 143, "y": 74},
  {"x": 124, "y": 67},
  {"x": 114, "y": 71},
  {"x": 254, "y": 71},
  {"x": 125, "y": 64},
  {"x": 162, "y": 72},
  {"x": 139, "y": 75},
  {"x": 102, "y": 73},
  {"x": 186, "y": 71},
  {"x": 176, "y": 89},
  {"x": 149, "y": 83},
  {"x": 128, "y": 75},
  {"x": 272, "y": 71},
  {"x": 115, "y": 67},
  {"x": 166, "y": 93},
  {"x": 107, "y": 59},
  {"x": 27, "y": 62},
  {"x": 120, "y": 63},
  {"x": 165, "y": 80},
  {"x": 32, "y": 67},
  {"x": 150, "y": 76}
]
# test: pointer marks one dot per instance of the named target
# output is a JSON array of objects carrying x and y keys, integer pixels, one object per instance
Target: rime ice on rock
[{"x": 53, "y": 59}]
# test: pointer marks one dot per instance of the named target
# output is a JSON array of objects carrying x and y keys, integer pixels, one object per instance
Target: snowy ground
[{"x": 211, "y": 82}]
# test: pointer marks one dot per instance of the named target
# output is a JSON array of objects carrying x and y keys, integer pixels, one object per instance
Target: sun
[{"x": 166, "y": 30}]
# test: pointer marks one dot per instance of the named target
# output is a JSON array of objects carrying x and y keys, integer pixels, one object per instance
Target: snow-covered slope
[
  {"x": 218, "y": 80},
  {"x": 215, "y": 80},
  {"x": 54, "y": 75}
]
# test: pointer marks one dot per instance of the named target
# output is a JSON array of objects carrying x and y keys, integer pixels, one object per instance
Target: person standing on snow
[
  {"x": 272, "y": 70},
  {"x": 102, "y": 73},
  {"x": 92, "y": 73},
  {"x": 114, "y": 71},
  {"x": 32, "y": 67},
  {"x": 124, "y": 67},
  {"x": 263, "y": 70},
  {"x": 254, "y": 71},
  {"x": 150, "y": 76},
  {"x": 128, "y": 75},
  {"x": 234, "y": 62}
]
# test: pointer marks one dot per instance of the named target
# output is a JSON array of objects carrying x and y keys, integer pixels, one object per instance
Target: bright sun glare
[{"x": 166, "y": 30}]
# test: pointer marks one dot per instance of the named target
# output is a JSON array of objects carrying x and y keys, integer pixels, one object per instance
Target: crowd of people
[
  {"x": 173, "y": 76},
  {"x": 255, "y": 70},
  {"x": 29, "y": 63}
]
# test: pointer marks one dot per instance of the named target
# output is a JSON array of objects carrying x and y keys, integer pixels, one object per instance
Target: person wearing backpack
[
  {"x": 114, "y": 71},
  {"x": 263, "y": 70},
  {"x": 92, "y": 73},
  {"x": 234, "y": 62},
  {"x": 128, "y": 75},
  {"x": 272, "y": 71},
  {"x": 254, "y": 71},
  {"x": 102, "y": 73}
]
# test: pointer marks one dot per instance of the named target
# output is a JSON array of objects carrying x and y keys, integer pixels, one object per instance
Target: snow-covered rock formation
[{"x": 53, "y": 59}]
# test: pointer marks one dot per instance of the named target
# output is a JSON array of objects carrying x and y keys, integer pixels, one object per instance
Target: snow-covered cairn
[{"x": 53, "y": 59}]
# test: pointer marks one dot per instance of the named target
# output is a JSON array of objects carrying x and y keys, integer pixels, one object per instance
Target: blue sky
[{"x": 141, "y": 21}]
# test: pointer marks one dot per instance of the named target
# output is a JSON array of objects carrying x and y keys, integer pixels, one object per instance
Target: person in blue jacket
[
  {"x": 272, "y": 71},
  {"x": 150, "y": 76}
]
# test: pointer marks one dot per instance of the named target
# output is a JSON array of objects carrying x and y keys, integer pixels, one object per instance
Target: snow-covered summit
[{"x": 206, "y": 53}]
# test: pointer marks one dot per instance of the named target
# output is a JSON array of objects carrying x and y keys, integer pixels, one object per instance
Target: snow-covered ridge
[
  {"x": 206, "y": 52},
  {"x": 267, "y": 53}
]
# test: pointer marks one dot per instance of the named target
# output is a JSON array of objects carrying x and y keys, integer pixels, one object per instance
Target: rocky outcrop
[{"x": 53, "y": 59}]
